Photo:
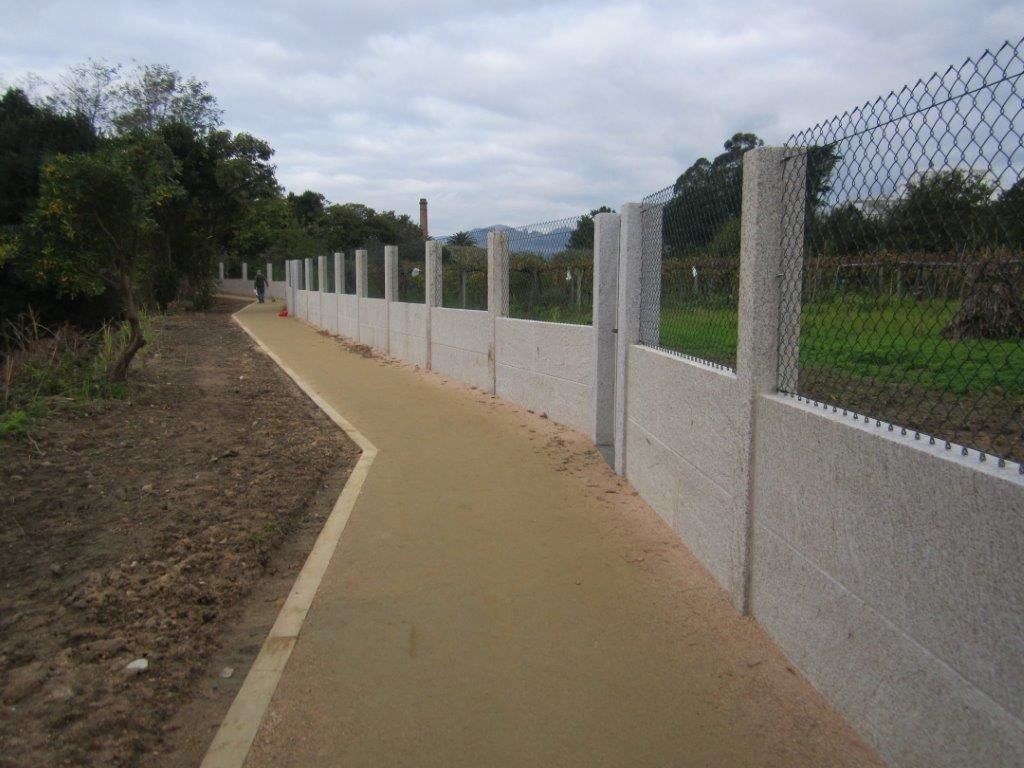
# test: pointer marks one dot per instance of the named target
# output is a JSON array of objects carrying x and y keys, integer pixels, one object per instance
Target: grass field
[{"x": 864, "y": 337}]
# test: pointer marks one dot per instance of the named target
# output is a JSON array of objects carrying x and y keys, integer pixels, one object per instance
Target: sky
[{"x": 510, "y": 113}]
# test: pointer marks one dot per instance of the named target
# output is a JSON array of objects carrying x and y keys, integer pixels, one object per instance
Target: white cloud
[{"x": 511, "y": 114}]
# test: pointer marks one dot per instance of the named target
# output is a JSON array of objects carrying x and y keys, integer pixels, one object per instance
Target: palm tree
[{"x": 461, "y": 238}]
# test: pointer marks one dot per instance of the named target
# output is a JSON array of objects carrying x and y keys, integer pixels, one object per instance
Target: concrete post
[
  {"x": 390, "y": 290},
  {"x": 307, "y": 268},
  {"x": 757, "y": 353},
  {"x": 628, "y": 311},
  {"x": 497, "y": 294},
  {"x": 433, "y": 277},
  {"x": 391, "y": 273},
  {"x": 606, "y": 281},
  {"x": 339, "y": 274},
  {"x": 245, "y": 271},
  {"x": 220, "y": 271},
  {"x": 361, "y": 276},
  {"x": 321, "y": 287},
  {"x": 650, "y": 276},
  {"x": 497, "y": 274},
  {"x": 270, "y": 272}
]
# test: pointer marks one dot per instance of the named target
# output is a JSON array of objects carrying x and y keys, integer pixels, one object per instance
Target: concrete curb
[{"x": 230, "y": 746}]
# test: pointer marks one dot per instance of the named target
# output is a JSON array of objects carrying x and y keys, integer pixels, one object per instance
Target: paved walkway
[{"x": 500, "y": 598}]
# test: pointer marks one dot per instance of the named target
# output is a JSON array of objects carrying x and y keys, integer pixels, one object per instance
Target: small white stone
[
  {"x": 136, "y": 667},
  {"x": 227, "y": 672}
]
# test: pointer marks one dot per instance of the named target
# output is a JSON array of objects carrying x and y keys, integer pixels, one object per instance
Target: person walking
[{"x": 260, "y": 285}]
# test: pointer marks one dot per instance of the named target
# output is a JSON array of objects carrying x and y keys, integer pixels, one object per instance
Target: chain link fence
[
  {"x": 328, "y": 276},
  {"x": 412, "y": 272},
  {"x": 551, "y": 271},
  {"x": 691, "y": 256},
  {"x": 463, "y": 276},
  {"x": 375, "y": 271},
  {"x": 903, "y": 276}
]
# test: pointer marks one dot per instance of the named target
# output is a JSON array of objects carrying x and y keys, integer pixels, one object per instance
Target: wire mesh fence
[
  {"x": 412, "y": 272},
  {"x": 375, "y": 271},
  {"x": 278, "y": 272},
  {"x": 463, "y": 276},
  {"x": 328, "y": 276},
  {"x": 314, "y": 275},
  {"x": 691, "y": 255},
  {"x": 348, "y": 272},
  {"x": 903, "y": 277},
  {"x": 551, "y": 271}
]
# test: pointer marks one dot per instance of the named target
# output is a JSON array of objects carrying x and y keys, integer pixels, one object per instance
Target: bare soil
[{"x": 166, "y": 527}]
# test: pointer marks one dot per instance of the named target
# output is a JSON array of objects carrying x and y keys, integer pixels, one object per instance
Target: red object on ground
[{"x": 283, "y": 313}]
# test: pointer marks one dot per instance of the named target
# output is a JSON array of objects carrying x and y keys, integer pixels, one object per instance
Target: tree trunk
[{"x": 119, "y": 372}]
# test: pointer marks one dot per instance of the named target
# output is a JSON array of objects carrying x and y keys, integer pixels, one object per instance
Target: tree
[
  {"x": 88, "y": 90},
  {"x": 308, "y": 208},
  {"x": 93, "y": 222},
  {"x": 706, "y": 195},
  {"x": 158, "y": 94},
  {"x": 28, "y": 136},
  {"x": 582, "y": 237},
  {"x": 945, "y": 211},
  {"x": 461, "y": 238},
  {"x": 221, "y": 175}
]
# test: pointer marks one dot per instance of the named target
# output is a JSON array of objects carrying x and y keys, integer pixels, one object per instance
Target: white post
[
  {"x": 361, "y": 276},
  {"x": 245, "y": 271},
  {"x": 628, "y": 311},
  {"x": 497, "y": 274},
  {"x": 391, "y": 273},
  {"x": 339, "y": 274},
  {"x": 308, "y": 267},
  {"x": 433, "y": 287},
  {"x": 321, "y": 286},
  {"x": 497, "y": 294},
  {"x": 390, "y": 290},
  {"x": 768, "y": 182},
  {"x": 270, "y": 272},
  {"x": 220, "y": 271},
  {"x": 606, "y": 279}
]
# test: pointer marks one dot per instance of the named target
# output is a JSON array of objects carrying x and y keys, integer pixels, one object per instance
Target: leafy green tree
[
  {"x": 93, "y": 222},
  {"x": 583, "y": 236},
  {"x": 221, "y": 175},
  {"x": 1010, "y": 211},
  {"x": 706, "y": 195},
  {"x": 461, "y": 237},
  {"x": 943, "y": 211},
  {"x": 29, "y": 135},
  {"x": 308, "y": 208}
]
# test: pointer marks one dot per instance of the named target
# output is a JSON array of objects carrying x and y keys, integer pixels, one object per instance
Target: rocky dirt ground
[{"x": 166, "y": 527}]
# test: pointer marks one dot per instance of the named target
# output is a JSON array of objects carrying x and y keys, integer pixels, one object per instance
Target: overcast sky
[{"x": 510, "y": 112}]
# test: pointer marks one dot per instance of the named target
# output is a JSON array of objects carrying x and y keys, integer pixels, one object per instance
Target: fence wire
[
  {"x": 348, "y": 272},
  {"x": 375, "y": 271},
  {"x": 328, "y": 277},
  {"x": 903, "y": 248},
  {"x": 412, "y": 272},
  {"x": 314, "y": 274},
  {"x": 551, "y": 271},
  {"x": 691, "y": 262},
  {"x": 464, "y": 276}
]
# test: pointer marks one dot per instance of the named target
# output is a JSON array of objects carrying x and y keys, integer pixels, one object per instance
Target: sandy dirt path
[{"x": 501, "y": 598}]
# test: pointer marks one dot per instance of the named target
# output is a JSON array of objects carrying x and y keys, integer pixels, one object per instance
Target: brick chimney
[{"x": 423, "y": 217}]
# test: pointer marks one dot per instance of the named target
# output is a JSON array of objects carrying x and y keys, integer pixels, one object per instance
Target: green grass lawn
[{"x": 865, "y": 337}]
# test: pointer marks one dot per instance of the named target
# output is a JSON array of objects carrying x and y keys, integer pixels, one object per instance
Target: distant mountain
[{"x": 542, "y": 241}]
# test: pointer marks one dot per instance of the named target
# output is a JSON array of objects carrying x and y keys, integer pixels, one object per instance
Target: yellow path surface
[{"x": 500, "y": 598}]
